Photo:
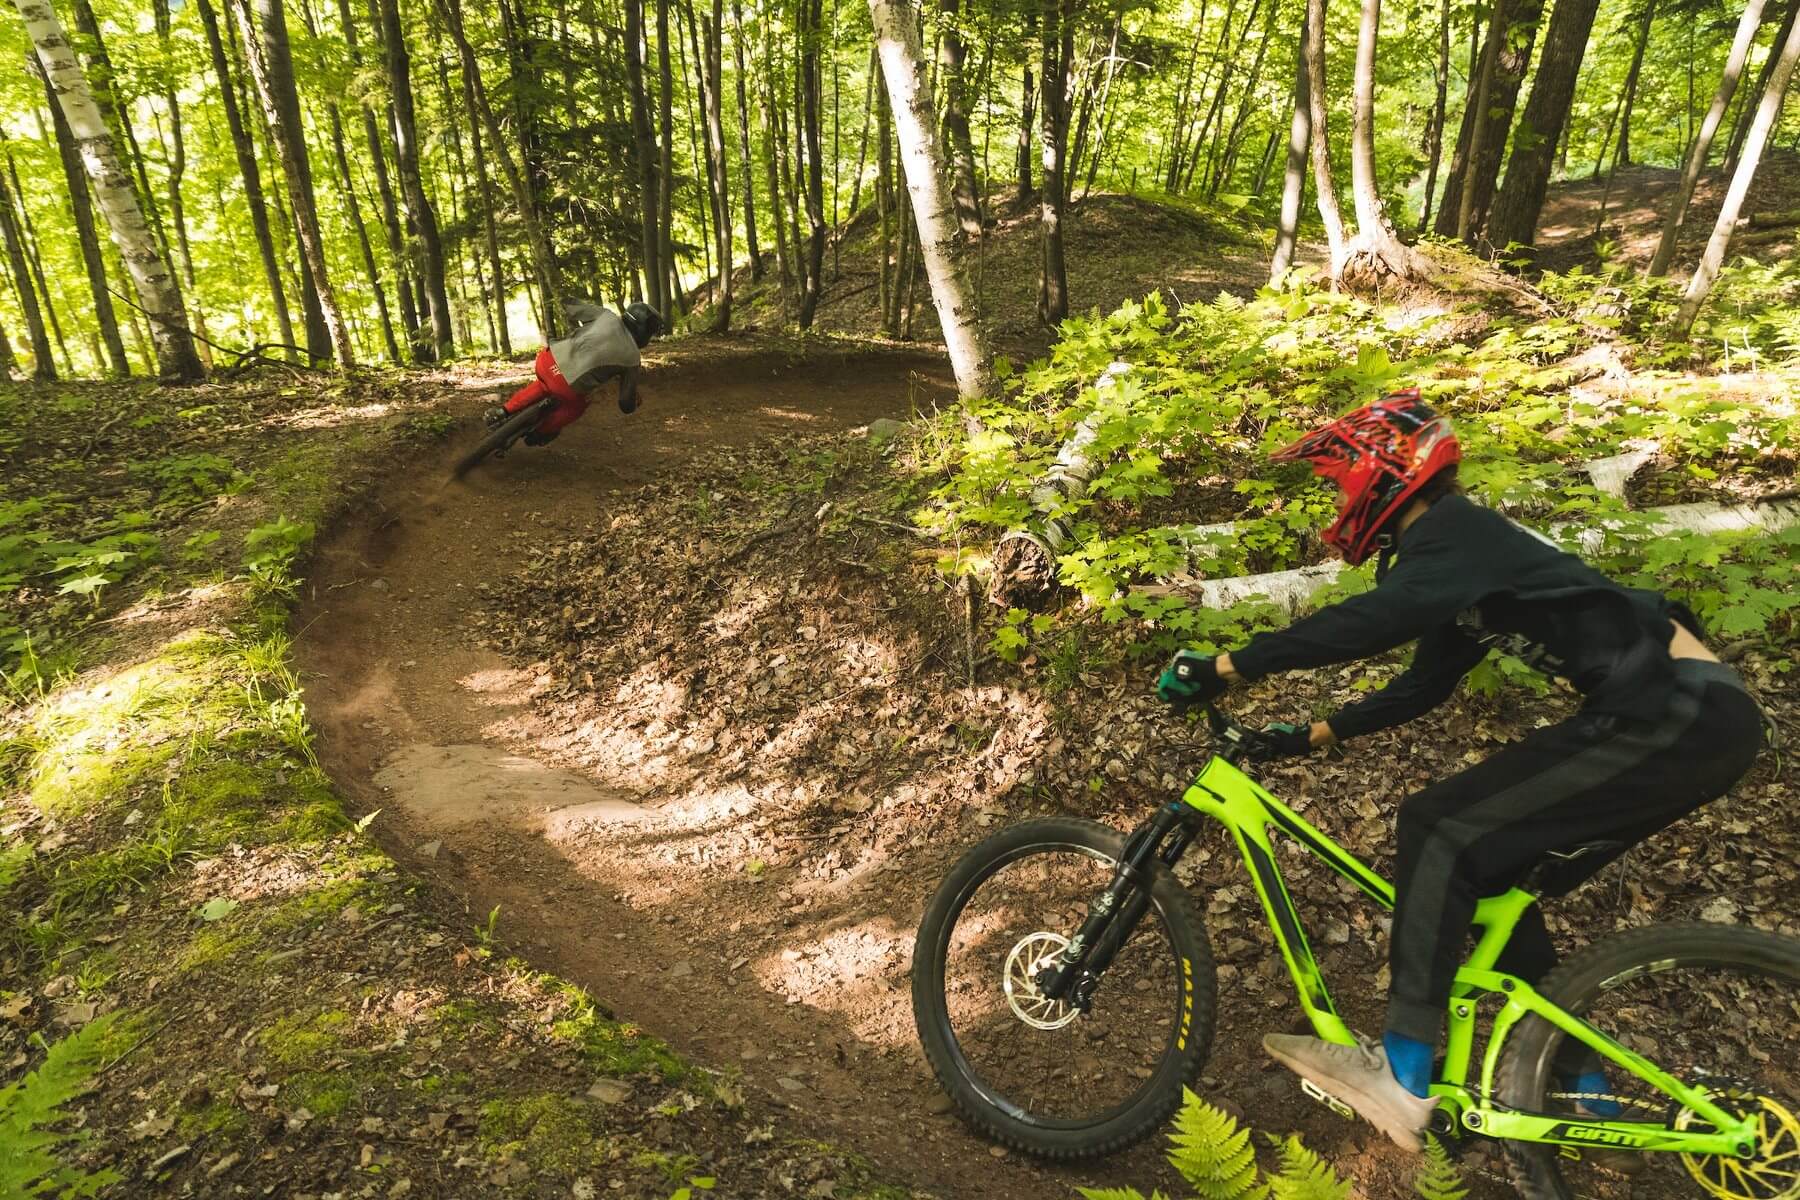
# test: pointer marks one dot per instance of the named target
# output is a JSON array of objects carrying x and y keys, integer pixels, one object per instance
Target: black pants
[{"x": 1589, "y": 779}]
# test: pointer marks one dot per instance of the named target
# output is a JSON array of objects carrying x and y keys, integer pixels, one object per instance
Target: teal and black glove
[
  {"x": 1281, "y": 740},
  {"x": 1190, "y": 678}
]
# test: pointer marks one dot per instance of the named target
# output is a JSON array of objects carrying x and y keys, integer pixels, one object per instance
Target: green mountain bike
[{"x": 1064, "y": 991}]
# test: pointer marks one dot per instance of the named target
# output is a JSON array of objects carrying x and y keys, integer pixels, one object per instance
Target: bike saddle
[{"x": 1560, "y": 872}]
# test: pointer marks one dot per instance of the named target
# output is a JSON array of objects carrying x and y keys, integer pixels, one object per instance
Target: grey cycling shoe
[
  {"x": 495, "y": 417},
  {"x": 1360, "y": 1077}
]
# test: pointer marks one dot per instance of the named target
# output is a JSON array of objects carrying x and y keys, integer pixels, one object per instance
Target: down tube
[{"x": 1232, "y": 797}]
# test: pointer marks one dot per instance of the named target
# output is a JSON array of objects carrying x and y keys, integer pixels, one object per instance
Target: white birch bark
[
  {"x": 155, "y": 283},
  {"x": 903, "y": 69},
  {"x": 1748, "y": 24},
  {"x": 1767, "y": 113}
]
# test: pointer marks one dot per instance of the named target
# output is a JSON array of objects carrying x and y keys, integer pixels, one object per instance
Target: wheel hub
[
  {"x": 1772, "y": 1173},
  {"x": 1035, "y": 953}
]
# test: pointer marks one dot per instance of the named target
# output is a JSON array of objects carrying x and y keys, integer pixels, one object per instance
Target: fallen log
[
  {"x": 1024, "y": 563},
  {"x": 1775, "y": 220}
]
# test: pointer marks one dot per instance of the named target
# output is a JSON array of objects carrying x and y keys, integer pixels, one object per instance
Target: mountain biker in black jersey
[{"x": 1663, "y": 728}]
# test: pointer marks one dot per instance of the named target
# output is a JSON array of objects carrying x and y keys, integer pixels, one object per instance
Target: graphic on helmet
[
  {"x": 643, "y": 322},
  {"x": 1379, "y": 455}
]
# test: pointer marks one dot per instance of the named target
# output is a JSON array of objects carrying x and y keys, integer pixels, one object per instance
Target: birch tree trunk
[
  {"x": 177, "y": 361},
  {"x": 903, "y": 69},
  {"x": 1740, "y": 128},
  {"x": 1768, "y": 113},
  {"x": 272, "y": 67},
  {"x": 1314, "y": 42},
  {"x": 43, "y": 367},
  {"x": 81, "y": 207},
  {"x": 1293, "y": 184},
  {"x": 1747, "y": 27}
]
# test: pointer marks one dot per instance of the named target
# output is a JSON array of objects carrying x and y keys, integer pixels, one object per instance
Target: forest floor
[
  {"x": 679, "y": 709},
  {"x": 1118, "y": 248},
  {"x": 1630, "y": 208}
]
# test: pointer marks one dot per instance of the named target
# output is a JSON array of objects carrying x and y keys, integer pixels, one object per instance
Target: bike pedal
[{"x": 1326, "y": 1098}]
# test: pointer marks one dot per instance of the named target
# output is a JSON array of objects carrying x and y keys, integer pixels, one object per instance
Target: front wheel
[
  {"x": 1035, "y": 1074},
  {"x": 1717, "y": 1005},
  {"x": 503, "y": 434}
]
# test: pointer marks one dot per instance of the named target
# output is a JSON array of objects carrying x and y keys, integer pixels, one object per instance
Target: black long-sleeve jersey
[{"x": 1467, "y": 580}]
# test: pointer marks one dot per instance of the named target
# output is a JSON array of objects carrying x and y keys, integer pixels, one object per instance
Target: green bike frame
[{"x": 1223, "y": 792}]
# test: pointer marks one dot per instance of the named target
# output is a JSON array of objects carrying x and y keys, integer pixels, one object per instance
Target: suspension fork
[{"x": 1113, "y": 915}]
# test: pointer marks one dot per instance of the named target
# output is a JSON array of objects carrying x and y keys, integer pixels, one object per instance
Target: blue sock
[
  {"x": 1410, "y": 1060},
  {"x": 1593, "y": 1083}
]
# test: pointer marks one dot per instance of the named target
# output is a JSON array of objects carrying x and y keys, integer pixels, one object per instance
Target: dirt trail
[{"x": 440, "y": 736}]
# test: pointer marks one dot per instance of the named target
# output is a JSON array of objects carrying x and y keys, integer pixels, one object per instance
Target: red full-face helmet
[{"x": 1379, "y": 456}]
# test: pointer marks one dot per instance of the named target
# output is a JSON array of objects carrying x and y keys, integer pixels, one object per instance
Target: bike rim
[
  {"x": 1730, "y": 1028},
  {"x": 1025, "y": 1057}
]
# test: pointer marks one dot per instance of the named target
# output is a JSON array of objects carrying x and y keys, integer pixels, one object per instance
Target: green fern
[
  {"x": 1213, "y": 1153},
  {"x": 1304, "y": 1175},
  {"x": 32, "y": 1106},
  {"x": 1438, "y": 1178},
  {"x": 1117, "y": 1194}
]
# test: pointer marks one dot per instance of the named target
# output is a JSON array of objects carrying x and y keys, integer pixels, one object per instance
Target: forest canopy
[{"x": 409, "y": 180}]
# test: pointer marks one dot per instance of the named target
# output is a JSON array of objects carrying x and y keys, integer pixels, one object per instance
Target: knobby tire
[
  {"x": 978, "y": 1102},
  {"x": 514, "y": 426}
]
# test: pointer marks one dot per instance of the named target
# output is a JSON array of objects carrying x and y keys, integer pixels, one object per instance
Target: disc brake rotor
[
  {"x": 1772, "y": 1174},
  {"x": 1036, "y": 952}
]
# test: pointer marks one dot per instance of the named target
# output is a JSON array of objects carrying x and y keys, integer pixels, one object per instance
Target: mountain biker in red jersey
[
  {"x": 1663, "y": 728},
  {"x": 603, "y": 346}
]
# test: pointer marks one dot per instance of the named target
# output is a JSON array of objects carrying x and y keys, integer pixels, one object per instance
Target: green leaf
[{"x": 217, "y": 909}]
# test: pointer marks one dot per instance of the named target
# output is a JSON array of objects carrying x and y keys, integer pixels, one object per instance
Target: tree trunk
[
  {"x": 1177, "y": 136},
  {"x": 177, "y": 361},
  {"x": 502, "y": 334},
  {"x": 390, "y": 213},
  {"x": 1516, "y": 209},
  {"x": 1057, "y": 49},
  {"x": 1216, "y": 108},
  {"x": 1221, "y": 177},
  {"x": 9, "y": 366},
  {"x": 1741, "y": 127},
  {"x": 426, "y": 253},
  {"x": 884, "y": 190},
  {"x": 665, "y": 100},
  {"x": 1512, "y": 59},
  {"x": 1377, "y": 255},
  {"x": 1476, "y": 120},
  {"x": 717, "y": 175},
  {"x": 116, "y": 112},
  {"x": 177, "y": 162},
  {"x": 811, "y": 104},
  {"x": 1768, "y": 114},
  {"x": 772, "y": 174},
  {"x": 1293, "y": 184},
  {"x": 1323, "y": 183},
  {"x": 749, "y": 173},
  {"x": 951, "y": 56},
  {"x": 862, "y": 149},
  {"x": 903, "y": 66},
  {"x": 644, "y": 146},
  {"x": 272, "y": 67},
  {"x": 1623, "y": 157},
  {"x": 1027, "y": 116},
  {"x": 354, "y": 209},
  {"x": 1103, "y": 118},
  {"x": 542, "y": 261},
  {"x": 43, "y": 367},
  {"x": 1435, "y": 138},
  {"x": 82, "y": 209},
  {"x": 33, "y": 250},
  {"x": 1748, "y": 24}
]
